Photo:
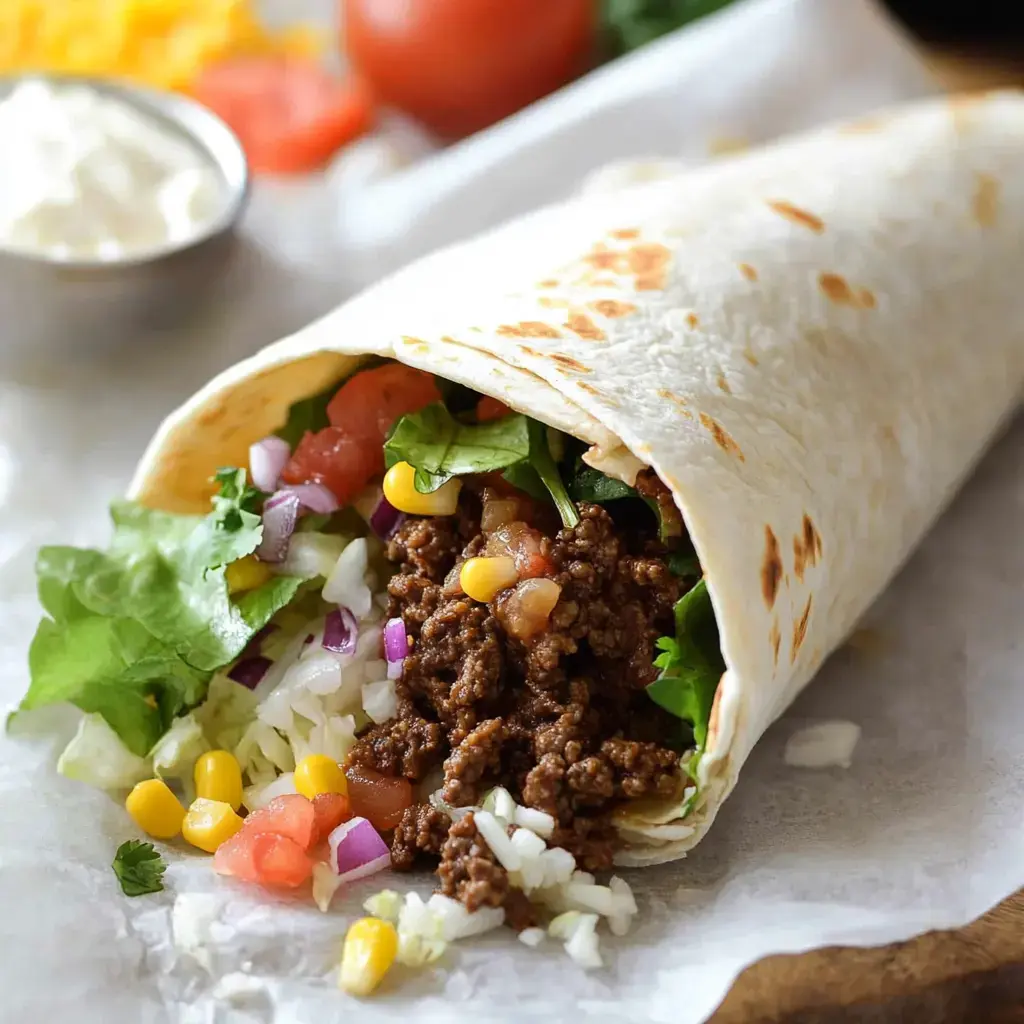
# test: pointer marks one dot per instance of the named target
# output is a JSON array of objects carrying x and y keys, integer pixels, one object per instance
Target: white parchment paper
[{"x": 923, "y": 830}]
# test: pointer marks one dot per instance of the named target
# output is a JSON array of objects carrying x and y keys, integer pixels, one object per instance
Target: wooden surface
[{"x": 974, "y": 974}]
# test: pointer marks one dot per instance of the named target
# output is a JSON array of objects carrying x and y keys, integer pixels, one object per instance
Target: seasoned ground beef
[
  {"x": 560, "y": 719},
  {"x": 422, "y": 830}
]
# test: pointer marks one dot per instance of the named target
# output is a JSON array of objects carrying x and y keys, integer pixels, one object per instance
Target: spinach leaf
[
  {"x": 439, "y": 447},
  {"x": 691, "y": 663},
  {"x": 589, "y": 484}
]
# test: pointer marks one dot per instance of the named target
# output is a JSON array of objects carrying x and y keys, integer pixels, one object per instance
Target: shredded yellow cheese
[{"x": 160, "y": 43}]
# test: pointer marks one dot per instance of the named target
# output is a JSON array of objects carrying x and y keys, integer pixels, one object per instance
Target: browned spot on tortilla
[
  {"x": 800, "y": 630},
  {"x": 603, "y": 258},
  {"x": 771, "y": 568},
  {"x": 528, "y": 329},
  {"x": 775, "y": 639},
  {"x": 612, "y": 308},
  {"x": 723, "y": 384},
  {"x": 650, "y": 283},
  {"x": 570, "y": 364},
  {"x": 866, "y": 298},
  {"x": 581, "y": 325},
  {"x": 836, "y": 289},
  {"x": 549, "y": 303},
  {"x": 722, "y": 437},
  {"x": 601, "y": 282},
  {"x": 649, "y": 262},
  {"x": 531, "y": 352},
  {"x": 692, "y": 321},
  {"x": 862, "y": 126},
  {"x": 797, "y": 216},
  {"x": 412, "y": 341},
  {"x": 985, "y": 202},
  {"x": 748, "y": 271},
  {"x": 625, "y": 234},
  {"x": 961, "y": 105},
  {"x": 677, "y": 401},
  {"x": 591, "y": 390},
  {"x": 750, "y": 357},
  {"x": 812, "y": 539},
  {"x": 549, "y": 282}
]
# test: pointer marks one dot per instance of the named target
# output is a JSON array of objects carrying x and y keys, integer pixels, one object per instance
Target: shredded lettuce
[
  {"x": 134, "y": 633},
  {"x": 691, "y": 664},
  {"x": 176, "y": 752},
  {"x": 97, "y": 757},
  {"x": 439, "y": 447}
]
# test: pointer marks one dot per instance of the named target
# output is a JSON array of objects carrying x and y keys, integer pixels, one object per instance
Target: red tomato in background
[{"x": 460, "y": 65}]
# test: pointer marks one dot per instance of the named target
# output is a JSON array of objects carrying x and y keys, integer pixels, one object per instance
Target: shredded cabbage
[{"x": 97, "y": 757}]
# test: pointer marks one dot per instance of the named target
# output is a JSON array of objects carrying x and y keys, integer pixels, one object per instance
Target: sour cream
[{"x": 85, "y": 175}]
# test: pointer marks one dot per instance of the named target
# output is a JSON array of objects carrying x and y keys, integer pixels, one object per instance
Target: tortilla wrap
[{"x": 811, "y": 345}]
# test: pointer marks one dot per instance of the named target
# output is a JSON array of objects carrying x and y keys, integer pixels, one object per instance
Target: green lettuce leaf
[
  {"x": 139, "y": 868},
  {"x": 439, "y": 447},
  {"x": 691, "y": 663},
  {"x": 629, "y": 24},
  {"x": 134, "y": 633}
]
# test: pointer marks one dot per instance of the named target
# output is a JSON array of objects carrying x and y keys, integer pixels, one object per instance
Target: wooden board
[{"x": 974, "y": 974}]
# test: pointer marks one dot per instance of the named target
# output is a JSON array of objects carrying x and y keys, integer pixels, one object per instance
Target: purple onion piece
[
  {"x": 357, "y": 850},
  {"x": 385, "y": 519},
  {"x": 396, "y": 641},
  {"x": 395, "y": 668},
  {"x": 267, "y": 459},
  {"x": 341, "y": 631},
  {"x": 316, "y": 497},
  {"x": 280, "y": 514},
  {"x": 249, "y": 671},
  {"x": 253, "y": 647}
]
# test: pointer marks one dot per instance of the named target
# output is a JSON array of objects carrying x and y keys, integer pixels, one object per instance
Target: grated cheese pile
[{"x": 160, "y": 43}]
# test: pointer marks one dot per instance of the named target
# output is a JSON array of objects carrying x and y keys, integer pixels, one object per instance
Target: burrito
[{"x": 505, "y": 565}]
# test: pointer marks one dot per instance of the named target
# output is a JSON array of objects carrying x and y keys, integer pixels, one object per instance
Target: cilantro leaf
[
  {"x": 139, "y": 868},
  {"x": 439, "y": 447},
  {"x": 691, "y": 663},
  {"x": 134, "y": 633},
  {"x": 236, "y": 501}
]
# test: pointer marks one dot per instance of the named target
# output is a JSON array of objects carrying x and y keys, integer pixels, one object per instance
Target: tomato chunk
[
  {"x": 279, "y": 861},
  {"x": 380, "y": 799},
  {"x": 331, "y": 809},
  {"x": 368, "y": 404},
  {"x": 290, "y": 115},
  {"x": 490, "y": 409},
  {"x": 234, "y": 857},
  {"x": 291, "y": 816},
  {"x": 332, "y": 458}
]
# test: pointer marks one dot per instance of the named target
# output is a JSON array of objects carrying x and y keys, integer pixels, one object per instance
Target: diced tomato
[
  {"x": 530, "y": 566},
  {"x": 291, "y": 816},
  {"x": 331, "y": 809},
  {"x": 368, "y": 404},
  {"x": 234, "y": 857},
  {"x": 336, "y": 460},
  {"x": 380, "y": 799},
  {"x": 290, "y": 115},
  {"x": 490, "y": 409},
  {"x": 279, "y": 861}
]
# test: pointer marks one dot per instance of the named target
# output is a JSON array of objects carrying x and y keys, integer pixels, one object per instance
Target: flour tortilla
[{"x": 811, "y": 344}]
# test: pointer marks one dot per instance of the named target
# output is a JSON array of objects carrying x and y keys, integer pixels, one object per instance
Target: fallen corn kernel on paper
[{"x": 919, "y": 832}]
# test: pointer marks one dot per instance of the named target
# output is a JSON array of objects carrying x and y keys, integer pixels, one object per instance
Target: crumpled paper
[{"x": 922, "y": 831}]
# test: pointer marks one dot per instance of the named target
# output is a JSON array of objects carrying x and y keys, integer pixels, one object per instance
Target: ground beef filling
[{"x": 561, "y": 719}]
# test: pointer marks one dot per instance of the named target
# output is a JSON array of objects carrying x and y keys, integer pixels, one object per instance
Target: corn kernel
[
  {"x": 155, "y": 809},
  {"x": 318, "y": 774},
  {"x": 370, "y": 949},
  {"x": 218, "y": 776},
  {"x": 246, "y": 574},
  {"x": 209, "y": 823},
  {"x": 482, "y": 577},
  {"x": 400, "y": 490}
]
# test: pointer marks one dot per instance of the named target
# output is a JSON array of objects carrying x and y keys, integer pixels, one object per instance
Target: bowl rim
[{"x": 186, "y": 117}]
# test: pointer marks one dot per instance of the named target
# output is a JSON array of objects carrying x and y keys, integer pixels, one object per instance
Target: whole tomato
[{"x": 460, "y": 65}]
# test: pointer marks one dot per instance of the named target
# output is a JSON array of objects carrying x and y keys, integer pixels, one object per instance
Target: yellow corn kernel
[
  {"x": 246, "y": 574},
  {"x": 400, "y": 490},
  {"x": 482, "y": 578},
  {"x": 218, "y": 776},
  {"x": 155, "y": 809},
  {"x": 370, "y": 949},
  {"x": 209, "y": 823},
  {"x": 318, "y": 774}
]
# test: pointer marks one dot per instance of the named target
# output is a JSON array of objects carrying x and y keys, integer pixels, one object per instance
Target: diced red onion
[
  {"x": 341, "y": 631},
  {"x": 357, "y": 850},
  {"x": 267, "y": 459},
  {"x": 280, "y": 514},
  {"x": 395, "y": 668},
  {"x": 385, "y": 519},
  {"x": 396, "y": 641},
  {"x": 249, "y": 671},
  {"x": 254, "y": 646},
  {"x": 316, "y": 497}
]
